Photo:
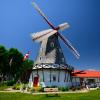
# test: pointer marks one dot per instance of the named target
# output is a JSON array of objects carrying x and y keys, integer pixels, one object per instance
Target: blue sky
[{"x": 18, "y": 19}]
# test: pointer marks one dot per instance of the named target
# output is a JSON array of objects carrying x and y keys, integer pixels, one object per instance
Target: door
[{"x": 35, "y": 80}]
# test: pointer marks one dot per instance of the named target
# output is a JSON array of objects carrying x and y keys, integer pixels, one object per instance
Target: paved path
[{"x": 36, "y": 93}]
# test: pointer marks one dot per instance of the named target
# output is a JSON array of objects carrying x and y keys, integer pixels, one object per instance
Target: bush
[
  {"x": 31, "y": 90},
  {"x": 48, "y": 86},
  {"x": 78, "y": 88},
  {"x": 3, "y": 84},
  {"x": 67, "y": 88},
  {"x": 10, "y": 83},
  {"x": 63, "y": 88},
  {"x": 73, "y": 88},
  {"x": 17, "y": 86},
  {"x": 53, "y": 86},
  {"x": 40, "y": 89}
]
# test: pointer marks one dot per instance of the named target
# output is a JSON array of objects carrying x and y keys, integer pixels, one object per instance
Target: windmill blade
[
  {"x": 69, "y": 45},
  {"x": 42, "y": 14},
  {"x": 43, "y": 34}
]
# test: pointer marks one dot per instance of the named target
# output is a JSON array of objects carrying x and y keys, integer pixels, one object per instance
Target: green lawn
[
  {"x": 4, "y": 87},
  {"x": 92, "y": 95}
]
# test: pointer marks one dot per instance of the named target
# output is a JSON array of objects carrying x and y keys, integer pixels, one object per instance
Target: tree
[
  {"x": 16, "y": 63},
  {"x": 26, "y": 70},
  {"x": 3, "y": 61},
  {"x": 12, "y": 66}
]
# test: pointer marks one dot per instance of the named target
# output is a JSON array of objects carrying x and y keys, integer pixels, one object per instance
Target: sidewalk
[{"x": 36, "y": 93}]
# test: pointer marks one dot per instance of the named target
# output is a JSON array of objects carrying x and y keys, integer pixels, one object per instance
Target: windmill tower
[{"x": 50, "y": 68}]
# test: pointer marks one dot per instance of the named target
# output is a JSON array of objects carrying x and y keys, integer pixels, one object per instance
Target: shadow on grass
[{"x": 53, "y": 95}]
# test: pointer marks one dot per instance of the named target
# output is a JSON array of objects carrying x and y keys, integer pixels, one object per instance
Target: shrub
[
  {"x": 73, "y": 88},
  {"x": 31, "y": 90},
  {"x": 63, "y": 88},
  {"x": 67, "y": 88},
  {"x": 48, "y": 86},
  {"x": 3, "y": 84},
  {"x": 39, "y": 89},
  {"x": 78, "y": 88},
  {"x": 53, "y": 86},
  {"x": 17, "y": 86},
  {"x": 10, "y": 83}
]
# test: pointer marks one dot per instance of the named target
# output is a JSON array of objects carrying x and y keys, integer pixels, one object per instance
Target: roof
[{"x": 86, "y": 73}]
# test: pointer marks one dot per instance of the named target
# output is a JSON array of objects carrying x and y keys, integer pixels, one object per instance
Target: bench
[
  {"x": 53, "y": 92},
  {"x": 50, "y": 89}
]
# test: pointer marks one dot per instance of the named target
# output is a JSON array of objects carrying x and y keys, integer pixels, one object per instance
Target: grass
[
  {"x": 4, "y": 87},
  {"x": 92, "y": 95}
]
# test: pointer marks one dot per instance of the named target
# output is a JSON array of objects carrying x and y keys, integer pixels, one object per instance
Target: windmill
[{"x": 50, "y": 55}]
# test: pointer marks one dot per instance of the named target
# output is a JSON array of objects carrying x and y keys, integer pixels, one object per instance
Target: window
[
  {"x": 52, "y": 44},
  {"x": 54, "y": 78},
  {"x": 62, "y": 59}
]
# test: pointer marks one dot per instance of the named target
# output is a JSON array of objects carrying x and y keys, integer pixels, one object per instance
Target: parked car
[{"x": 92, "y": 85}]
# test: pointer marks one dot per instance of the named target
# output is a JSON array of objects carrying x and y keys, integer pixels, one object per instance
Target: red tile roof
[{"x": 86, "y": 73}]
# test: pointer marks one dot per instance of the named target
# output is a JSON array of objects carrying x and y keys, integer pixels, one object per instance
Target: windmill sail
[
  {"x": 69, "y": 45},
  {"x": 39, "y": 36},
  {"x": 42, "y": 14}
]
